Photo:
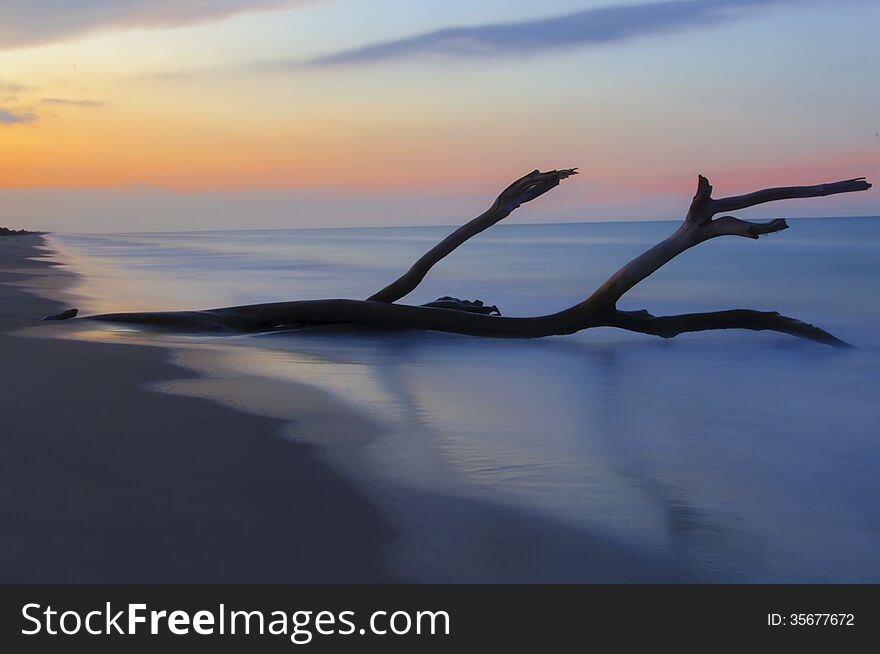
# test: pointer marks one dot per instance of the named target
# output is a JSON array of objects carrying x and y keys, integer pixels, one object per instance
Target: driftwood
[
  {"x": 64, "y": 315},
  {"x": 473, "y": 318}
]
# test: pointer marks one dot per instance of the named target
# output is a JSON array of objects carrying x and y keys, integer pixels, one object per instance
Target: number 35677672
[{"x": 811, "y": 619}]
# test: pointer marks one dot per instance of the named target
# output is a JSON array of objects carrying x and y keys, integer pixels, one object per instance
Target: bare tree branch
[
  {"x": 699, "y": 226},
  {"x": 788, "y": 193},
  {"x": 644, "y": 265},
  {"x": 523, "y": 190},
  {"x": 700, "y": 209},
  {"x": 299, "y": 314},
  {"x": 314, "y": 313},
  {"x": 670, "y": 326},
  {"x": 730, "y": 226},
  {"x": 473, "y": 318}
]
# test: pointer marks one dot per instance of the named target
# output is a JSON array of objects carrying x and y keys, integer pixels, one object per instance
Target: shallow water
[{"x": 737, "y": 456}]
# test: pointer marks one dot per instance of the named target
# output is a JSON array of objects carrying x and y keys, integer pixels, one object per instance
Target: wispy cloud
[
  {"x": 583, "y": 28},
  {"x": 72, "y": 103},
  {"x": 162, "y": 77},
  {"x": 9, "y": 117},
  {"x": 32, "y": 22},
  {"x": 12, "y": 88}
]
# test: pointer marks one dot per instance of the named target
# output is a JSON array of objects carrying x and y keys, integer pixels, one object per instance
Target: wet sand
[
  {"x": 104, "y": 481},
  {"x": 117, "y": 465}
]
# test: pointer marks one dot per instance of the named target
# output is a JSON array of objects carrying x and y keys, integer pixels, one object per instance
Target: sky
[{"x": 144, "y": 115}]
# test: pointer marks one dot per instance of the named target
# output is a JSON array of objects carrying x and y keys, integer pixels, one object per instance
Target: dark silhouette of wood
[
  {"x": 64, "y": 315},
  {"x": 474, "y": 318},
  {"x": 523, "y": 190},
  {"x": 669, "y": 326},
  {"x": 474, "y": 306},
  {"x": 701, "y": 225}
]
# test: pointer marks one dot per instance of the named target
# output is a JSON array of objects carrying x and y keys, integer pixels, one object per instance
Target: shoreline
[
  {"x": 375, "y": 527},
  {"x": 106, "y": 481}
]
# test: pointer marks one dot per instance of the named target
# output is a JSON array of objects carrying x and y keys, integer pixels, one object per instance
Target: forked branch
[
  {"x": 701, "y": 225},
  {"x": 473, "y": 318}
]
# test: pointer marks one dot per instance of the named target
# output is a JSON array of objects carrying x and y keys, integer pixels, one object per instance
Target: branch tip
[
  {"x": 730, "y": 226},
  {"x": 704, "y": 188}
]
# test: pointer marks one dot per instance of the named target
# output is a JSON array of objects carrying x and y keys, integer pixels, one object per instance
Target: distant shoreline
[
  {"x": 449, "y": 226},
  {"x": 5, "y": 231}
]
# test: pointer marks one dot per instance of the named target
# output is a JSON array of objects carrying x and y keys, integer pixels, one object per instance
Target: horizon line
[{"x": 437, "y": 226}]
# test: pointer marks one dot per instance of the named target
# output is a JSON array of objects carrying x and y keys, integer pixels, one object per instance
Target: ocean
[{"x": 733, "y": 456}]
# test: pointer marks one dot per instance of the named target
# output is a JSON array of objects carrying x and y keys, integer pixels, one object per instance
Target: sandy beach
[
  {"x": 102, "y": 481},
  {"x": 361, "y": 457},
  {"x": 106, "y": 480}
]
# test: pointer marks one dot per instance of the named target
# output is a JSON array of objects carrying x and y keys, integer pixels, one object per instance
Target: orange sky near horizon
[{"x": 203, "y": 108}]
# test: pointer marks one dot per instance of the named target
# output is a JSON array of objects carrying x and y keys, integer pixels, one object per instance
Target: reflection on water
[
  {"x": 707, "y": 454},
  {"x": 739, "y": 456}
]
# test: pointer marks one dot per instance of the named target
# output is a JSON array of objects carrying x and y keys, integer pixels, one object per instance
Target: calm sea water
[{"x": 731, "y": 456}]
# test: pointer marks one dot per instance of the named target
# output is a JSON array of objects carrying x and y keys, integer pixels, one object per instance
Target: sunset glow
[{"x": 286, "y": 97}]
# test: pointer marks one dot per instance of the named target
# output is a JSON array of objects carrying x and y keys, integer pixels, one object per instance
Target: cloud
[
  {"x": 12, "y": 88},
  {"x": 162, "y": 77},
  {"x": 72, "y": 103},
  {"x": 8, "y": 117},
  {"x": 583, "y": 28},
  {"x": 32, "y": 22}
]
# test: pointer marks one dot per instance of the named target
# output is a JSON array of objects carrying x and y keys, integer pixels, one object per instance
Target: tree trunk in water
[{"x": 462, "y": 317}]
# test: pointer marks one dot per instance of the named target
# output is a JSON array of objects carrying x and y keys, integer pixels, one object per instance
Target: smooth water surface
[{"x": 738, "y": 456}]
